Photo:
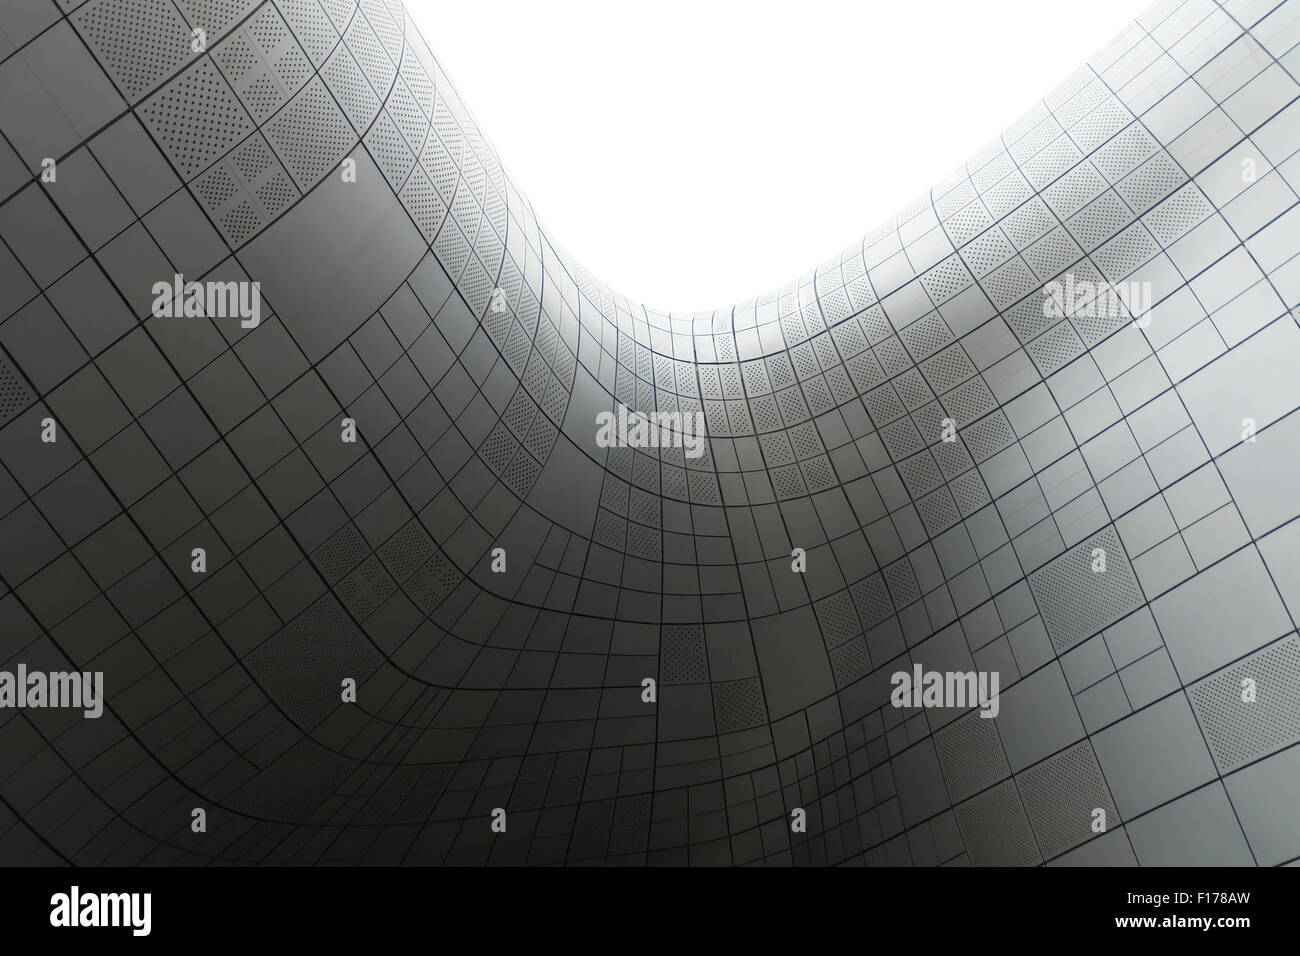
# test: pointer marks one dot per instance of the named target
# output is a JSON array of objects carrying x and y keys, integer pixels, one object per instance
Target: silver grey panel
[{"x": 426, "y": 302}]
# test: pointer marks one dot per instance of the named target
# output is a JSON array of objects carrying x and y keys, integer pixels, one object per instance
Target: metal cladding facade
[{"x": 916, "y": 458}]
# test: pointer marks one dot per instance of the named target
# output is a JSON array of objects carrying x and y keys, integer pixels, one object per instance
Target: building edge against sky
[{"x": 363, "y": 585}]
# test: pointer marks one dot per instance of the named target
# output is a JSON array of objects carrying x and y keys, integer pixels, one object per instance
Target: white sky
[{"x": 696, "y": 153}]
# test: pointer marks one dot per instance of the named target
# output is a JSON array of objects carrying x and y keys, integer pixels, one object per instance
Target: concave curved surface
[{"x": 1167, "y": 165}]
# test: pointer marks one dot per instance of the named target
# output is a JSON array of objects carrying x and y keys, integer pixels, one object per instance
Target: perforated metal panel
[
  {"x": 682, "y": 656},
  {"x": 1076, "y": 601},
  {"x": 1056, "y": 348},
  {"x": 988, "y": 436},
  {"x": 738, "y": 704},
  {"x": 246, "y": 190},
  {"x": 196, "y": 118},
  {"x": 14, "y": 393},
  {"x": 432, "y": 582},
  {"x": 365, "y": 588},
  {"x": 140, "y": 42},
  {"x": 310, "y": 134},
  {"x": 1242, "y": 730},
  {"x": 850, "y": 662},
  {"x": 215, "y": 17},
  {"x": 302, "y": 667},
  {"x": 263, "y": 63},
  {"x": 996, "y": 830},
  {"x": 1061, "y": 796},
  {"x": 825, "y": 401},
  {"x": 971, "y": 755},
  {"x": 341, "y": 553}
]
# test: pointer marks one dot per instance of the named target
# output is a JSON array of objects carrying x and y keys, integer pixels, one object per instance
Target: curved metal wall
[{"x": 413, "y": 292}]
